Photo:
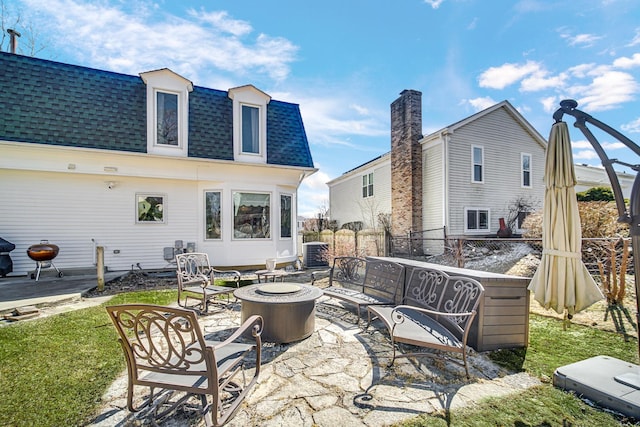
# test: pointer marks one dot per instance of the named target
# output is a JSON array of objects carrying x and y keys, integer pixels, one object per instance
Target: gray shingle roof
[{"x": 53, "y": 103}]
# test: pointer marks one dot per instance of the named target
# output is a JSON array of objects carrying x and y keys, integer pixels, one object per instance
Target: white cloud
[
  {"x": 317, "y": 181},
  {"x": 362, "y": 110},
  {"x": 331, "y": 121},
  {"x": 480, "y": 104},
  {"x": 597, "y": 86},
  {"x": 541, "y": 80},
  {"x": 581, "y": 70},
  {"x": 580, "y": 144},
  {"x": 625, "y": 62},
  {"x": 585, "y": 155},
  {"x": 583, "y": 149},
  {"x": 585, "y": 40},
  {"x": 222, "y": 21},
  {"x": 507, "y": 74},
  {"x": 608, "y": 91},
  {"x": 550, "y": 104},
  {"x": 130, "y": 42},
  {"x": 312, "y": 194},
  {"x": 434, "y": 3},
  {"x": 636, "y": 39},
  {"x": 613, "y": 145},
  {"x": 632, "y": 127}
]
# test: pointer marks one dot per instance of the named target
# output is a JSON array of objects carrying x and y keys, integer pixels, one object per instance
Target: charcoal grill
[{"x": 43, "y": 254}]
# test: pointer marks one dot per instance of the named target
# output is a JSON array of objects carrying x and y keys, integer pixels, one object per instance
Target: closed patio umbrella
[{"x": 562, "y": 281}]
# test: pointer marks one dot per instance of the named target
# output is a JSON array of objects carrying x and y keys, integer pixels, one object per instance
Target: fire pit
[
  {"x": 288, "y": 309},
  {"x": 43, "y": 254}
]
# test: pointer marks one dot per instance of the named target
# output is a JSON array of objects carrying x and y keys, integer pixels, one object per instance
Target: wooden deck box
[{"x": 503, "y": 314}]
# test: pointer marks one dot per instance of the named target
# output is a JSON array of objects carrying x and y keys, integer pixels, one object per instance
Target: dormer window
[
  {"x": 167, "y": 118},
  {"x": 250, "y": 130},
  {"x": 167, "y": 112},
  {"x": 249, "y": 124}
]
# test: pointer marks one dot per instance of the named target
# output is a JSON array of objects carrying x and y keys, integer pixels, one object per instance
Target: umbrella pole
[
  {"x": 634, "y": 231},
  {"x": 632, "y": 379},
  {"x": 635, "y": 245}
]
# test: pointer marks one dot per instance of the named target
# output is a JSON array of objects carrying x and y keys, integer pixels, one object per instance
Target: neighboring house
[
  {"x": 462, "y": 178},
  {"x": 136, "y": 163},
  {"x": 595, "y": 176},
  {"x": 358, "y": 194}
]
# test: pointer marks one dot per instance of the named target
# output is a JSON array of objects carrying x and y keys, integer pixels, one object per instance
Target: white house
[
  {"x": 135, "y": 163},
  {"x": 462, "y": 178},
  {"x": 595, "y": 176}
]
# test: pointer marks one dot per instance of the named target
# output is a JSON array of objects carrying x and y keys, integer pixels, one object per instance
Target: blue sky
[{"x": 345, "y": 61}]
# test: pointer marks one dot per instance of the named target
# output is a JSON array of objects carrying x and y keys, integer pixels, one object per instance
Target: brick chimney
[{"x": 406, "y": 163}]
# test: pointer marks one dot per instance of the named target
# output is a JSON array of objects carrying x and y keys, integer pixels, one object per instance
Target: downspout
[
  {"x": 296, "y": 249},
  {"x": 445, "y": 136}
]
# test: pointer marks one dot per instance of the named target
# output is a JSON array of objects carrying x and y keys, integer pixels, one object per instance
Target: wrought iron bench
[
  {"x": 364, "y": 282},
  {"x": 164, "y": 349},
  {"x": 436, "y": 312}
]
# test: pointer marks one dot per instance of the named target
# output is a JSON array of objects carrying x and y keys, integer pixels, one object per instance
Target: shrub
[
  {"x": 596, "y": 194},
  {"x": 598, "y": 219}
]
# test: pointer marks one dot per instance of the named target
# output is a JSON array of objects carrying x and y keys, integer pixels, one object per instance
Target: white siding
[
  {"x": 433, "y": 194},
  {"x": 503, "y": 139},
  {"x": 345, "y": 195},
  {"x": 76, "y": 210},
  {"x": 595, "y": 176}
]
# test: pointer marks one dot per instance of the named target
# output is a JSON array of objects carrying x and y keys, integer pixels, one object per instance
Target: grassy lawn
[
  {"x": 549, "y": 348},
  {"x": 53, "y": 371}
]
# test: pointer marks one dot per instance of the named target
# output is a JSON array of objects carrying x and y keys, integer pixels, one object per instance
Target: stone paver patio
[{"x": 339, "y": 377}]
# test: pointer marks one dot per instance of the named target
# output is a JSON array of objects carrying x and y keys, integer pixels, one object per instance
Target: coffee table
[
  {"x": 288, "y": 309},
  {"x": 273, "y": 274}
]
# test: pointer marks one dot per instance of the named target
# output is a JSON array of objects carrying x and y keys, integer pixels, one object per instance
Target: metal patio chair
[
  {"x": 166, "y": 351},
  {"x": 196, "y": 280}
]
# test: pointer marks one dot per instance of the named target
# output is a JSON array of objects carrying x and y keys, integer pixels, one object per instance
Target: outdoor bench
[
  {"x": 364, "y": 282},
  {"x": 437, "y": 311}
]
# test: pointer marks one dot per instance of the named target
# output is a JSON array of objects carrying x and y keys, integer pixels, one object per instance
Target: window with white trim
[
  {"x": 213, "y": 215},
  {"x": 525, "y": 167},
  {"x": 286, "y": 216},
  {"x": 167, "y": 112},
  {"x": 251, "y": 215},
  {"x": 476, "y": 220},
  {"x": 367, "y": 185},
  {"x": 477, "y": 163},
  {"x": 151, "y": 208},
  {"x": 249, "y": 124},
  {"x": 167, "y": 118},
  {"x": 250, "y": 129}
]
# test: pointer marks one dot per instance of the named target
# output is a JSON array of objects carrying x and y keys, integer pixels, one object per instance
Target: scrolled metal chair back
[
  {"x": 349, "y": 270},
  {"x": 166, "y": 341},
  {"x": 192, "y": 267},
  {"x": 462, "y": 295},
  {"x": 424, "y": 288}
]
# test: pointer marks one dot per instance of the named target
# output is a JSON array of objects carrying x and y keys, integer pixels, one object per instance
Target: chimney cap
[{"x": 13, "y": 32}]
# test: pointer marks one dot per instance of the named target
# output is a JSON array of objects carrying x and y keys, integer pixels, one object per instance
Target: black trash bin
[{"x": 6, "y": 264}]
